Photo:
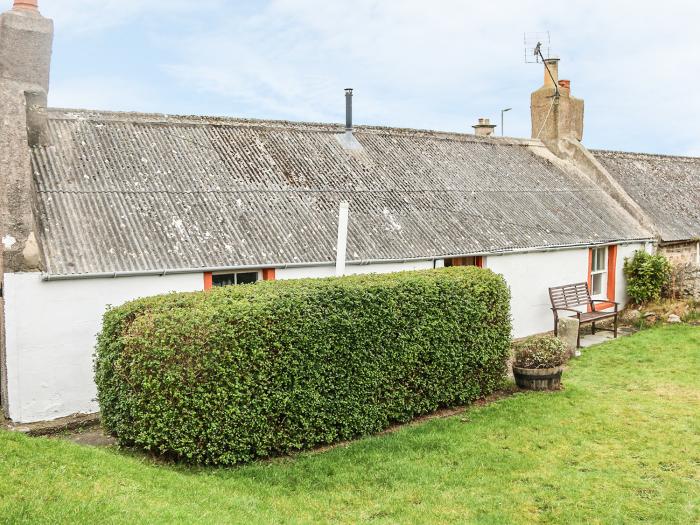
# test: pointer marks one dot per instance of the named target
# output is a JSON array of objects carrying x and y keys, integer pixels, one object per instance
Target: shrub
[
  {"x": 646, "y": 274},
  {"x": 241, "y": 372},
  {"x": 543, "y": 351}
]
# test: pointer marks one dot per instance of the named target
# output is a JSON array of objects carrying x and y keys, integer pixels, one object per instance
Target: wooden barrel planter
[{"x": 538, "y": 378}]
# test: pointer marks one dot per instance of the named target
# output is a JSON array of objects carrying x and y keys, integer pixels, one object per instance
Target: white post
[{"x": 342, "y": 239}]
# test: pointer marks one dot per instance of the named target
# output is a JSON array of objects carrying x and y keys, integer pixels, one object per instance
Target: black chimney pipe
[{"x": 348, "y": 109}]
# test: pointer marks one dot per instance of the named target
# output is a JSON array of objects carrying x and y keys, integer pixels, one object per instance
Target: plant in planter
[{"x": 537, "y": 362}]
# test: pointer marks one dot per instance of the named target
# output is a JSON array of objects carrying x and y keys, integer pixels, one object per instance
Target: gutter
[{"x": 163, "y": 272}]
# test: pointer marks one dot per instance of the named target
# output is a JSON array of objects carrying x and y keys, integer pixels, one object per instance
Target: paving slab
[{"x": 602, "y": 337}]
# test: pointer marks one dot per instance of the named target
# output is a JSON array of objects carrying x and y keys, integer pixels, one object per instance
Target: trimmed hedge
[{"x": 242, "y": 372}]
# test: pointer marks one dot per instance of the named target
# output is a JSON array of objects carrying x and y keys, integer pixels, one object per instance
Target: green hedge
[
  {"x": 241, "y": 372},
  {"x": 646, "y": 276}
]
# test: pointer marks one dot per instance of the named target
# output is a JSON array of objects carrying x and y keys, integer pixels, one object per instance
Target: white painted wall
[
  {"x": 51, "y": 327},
  {"x": 623, "y": 251},
  {"x": 51, "y": 330},
  {"x": 529, "y": 275},
  {"x": 352, "y": 269}
]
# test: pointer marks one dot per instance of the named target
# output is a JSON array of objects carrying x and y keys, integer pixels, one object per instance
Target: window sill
[{"x": 603, "y": 306}]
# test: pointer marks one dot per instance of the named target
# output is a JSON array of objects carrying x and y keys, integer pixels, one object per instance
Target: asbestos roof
[
  {"x": 134, "y": 192},
  {"x": 667, "y": 188}
]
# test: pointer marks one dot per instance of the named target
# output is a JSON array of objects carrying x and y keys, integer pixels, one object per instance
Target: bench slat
[{"x": 570, "y": 295}]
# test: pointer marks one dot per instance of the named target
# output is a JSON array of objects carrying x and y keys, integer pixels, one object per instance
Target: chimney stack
[
  {"x": 25, "y": 55},
  {"x": 556, "y": 115},
  {"x": 25, "y": 45},
  {"x": 484, "y": 128}
]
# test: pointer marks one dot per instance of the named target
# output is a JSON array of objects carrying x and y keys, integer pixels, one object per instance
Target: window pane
[
  {"x": 599, "y": 259},
  {"x": 597, "y": 283},
  {"x": 460, "y": 261},
  {"x": 247, "y": 277},
  {"x": 226, "y": 279}
]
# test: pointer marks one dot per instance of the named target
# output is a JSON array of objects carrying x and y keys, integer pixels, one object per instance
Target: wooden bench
[{"x": 571, "y": 296}]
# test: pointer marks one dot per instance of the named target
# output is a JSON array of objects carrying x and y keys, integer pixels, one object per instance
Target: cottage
[
  {"x": 667, "y": 188},
  {"x": 102, "y": 207}
]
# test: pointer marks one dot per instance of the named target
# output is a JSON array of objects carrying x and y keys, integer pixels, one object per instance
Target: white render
[
  {"x": 529, "y": 275},
  {"x": 51, "y": 329},
  {"x": 51, "y": 326},
  {"x": 351, "y": 269}
]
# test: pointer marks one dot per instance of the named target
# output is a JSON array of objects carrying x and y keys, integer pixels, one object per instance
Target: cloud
[
  {"x": 294, "y": 58},
  {"x": 445, "y": 63},
  {"x": 81, "y": 17},
  {"x": 439, "y": 64},
  {"x": 101, "y": 92}
]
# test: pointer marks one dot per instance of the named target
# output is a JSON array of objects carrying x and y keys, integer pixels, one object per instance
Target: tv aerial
[{"x": 538, "y": 47}]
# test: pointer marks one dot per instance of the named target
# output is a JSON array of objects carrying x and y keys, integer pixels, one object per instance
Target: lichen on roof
[
  {"x": 124, "y": 192},
  {"x": 666, "y": 187}
]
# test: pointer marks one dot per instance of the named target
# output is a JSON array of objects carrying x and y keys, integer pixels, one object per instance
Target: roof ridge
[
  {"x": 628, "y": 153},
  {"x": 155, "y": 118}
]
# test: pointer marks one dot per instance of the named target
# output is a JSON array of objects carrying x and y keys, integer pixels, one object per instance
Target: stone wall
[
  {"x": 684, "y": 282},
  {"x": 681, "y": 253}
]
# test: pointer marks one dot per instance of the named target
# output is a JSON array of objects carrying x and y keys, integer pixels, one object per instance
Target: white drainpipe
[{"x": 342, "y": 239}]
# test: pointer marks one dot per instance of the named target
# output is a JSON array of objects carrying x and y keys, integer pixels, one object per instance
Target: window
[
  {"x": 227, "y": 279},
  {"x": 599, "y": 271},
  {"x": 602, "y": 269},
  {"x": 232, "y": 278},
  {"x": 464, "y": 261}
]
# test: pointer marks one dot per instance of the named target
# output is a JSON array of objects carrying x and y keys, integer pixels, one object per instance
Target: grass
[{"x": 621, "y": 444}]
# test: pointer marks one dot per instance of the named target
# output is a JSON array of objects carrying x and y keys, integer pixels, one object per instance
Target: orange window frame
[
  {"x": 268, "y": 274},
  {"x": 612, "y": 269},
  {"x": 464, "y": 261}
]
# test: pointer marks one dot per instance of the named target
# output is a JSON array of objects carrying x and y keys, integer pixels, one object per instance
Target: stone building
[{"x": 100, "y": 208}]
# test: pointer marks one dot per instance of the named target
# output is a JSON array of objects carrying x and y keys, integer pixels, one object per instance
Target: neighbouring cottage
[
  {"x": 101, "y": 207},
  {"x": 667, "y": 188}
]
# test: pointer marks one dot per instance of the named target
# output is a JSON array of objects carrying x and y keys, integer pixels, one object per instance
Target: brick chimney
[
  {"x": 25, "y": 54},
  {"x": 555, "y": 113},
  {"x": 484, "y": 128}
]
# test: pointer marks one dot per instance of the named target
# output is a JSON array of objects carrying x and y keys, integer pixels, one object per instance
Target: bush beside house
[
  {"x": 646, "y": 276},
  {"x": 242, "y": 372}
]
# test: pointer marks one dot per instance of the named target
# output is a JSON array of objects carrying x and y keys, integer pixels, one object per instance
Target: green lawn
[{"x": 620, "y": 444}]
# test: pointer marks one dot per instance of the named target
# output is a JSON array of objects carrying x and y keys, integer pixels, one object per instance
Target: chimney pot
[
  {"x": 26, "y": 5},
  {"x": 551, "y": 65},
  {"x": 484, "y": 128},
  {"x": 348, "y": 110}
]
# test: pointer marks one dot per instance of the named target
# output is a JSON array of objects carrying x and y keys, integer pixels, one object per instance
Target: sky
[{"x": 437, "y": 64}]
